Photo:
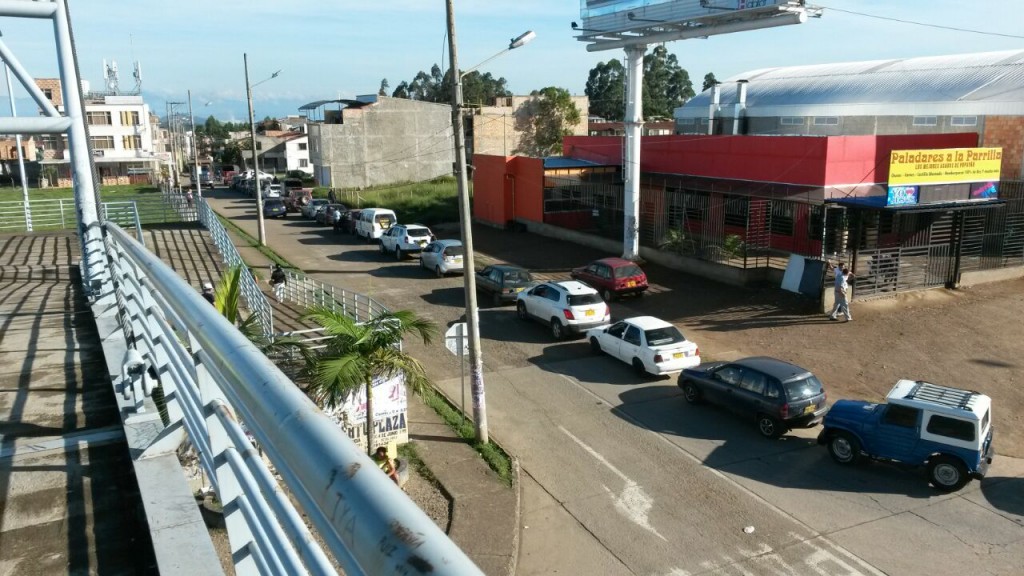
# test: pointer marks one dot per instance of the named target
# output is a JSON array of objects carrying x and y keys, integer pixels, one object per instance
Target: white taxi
[{"x": 650, "y": 345}]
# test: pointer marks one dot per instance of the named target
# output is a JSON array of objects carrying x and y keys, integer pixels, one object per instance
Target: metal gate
[{"x": 904, "y": 252}]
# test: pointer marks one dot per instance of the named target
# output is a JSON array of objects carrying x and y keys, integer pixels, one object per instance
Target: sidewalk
[{"x": 485, "y": 512}]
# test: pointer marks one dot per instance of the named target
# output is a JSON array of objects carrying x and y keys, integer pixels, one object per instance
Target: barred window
[
  {"x": 736, "y": 208},
  {"x": 925, "y": 120},
  {"x": 782, "y": 218},
  {"x": 826, "y": 121},
  {"x": 815, "y": 223},
  {"x": 963, "y": 121},
  {"x": 791, "y": 121},
  {"x": 696, "y": 204}
]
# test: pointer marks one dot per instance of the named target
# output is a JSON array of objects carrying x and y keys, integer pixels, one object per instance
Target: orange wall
[{"x": 501, "y": 181}]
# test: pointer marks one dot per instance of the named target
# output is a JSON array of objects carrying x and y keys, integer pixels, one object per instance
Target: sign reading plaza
[{"x": 944, "y": 166}]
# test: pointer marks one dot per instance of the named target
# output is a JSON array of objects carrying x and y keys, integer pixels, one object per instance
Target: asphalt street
[{"x": 621, "y": 476}]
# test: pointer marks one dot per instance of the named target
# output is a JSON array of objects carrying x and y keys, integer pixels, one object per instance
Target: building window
[
  {"x": 101, "y": 142},
  {"x": 48, "y": 93},
  {"x": 98, "y": 118},
  {"x": 696, "y": 205},
  {"x": 686, "y": 121},
  {"x": 826, "y": 121},
  {"x": 782, "y": 218},
  {"x": 736, "y": 210},
  {"x": 303, "y": 146},
  {"x": 792, "y": 121},
  {"x": 303, "y": 163},
  {"x": 925, "y": 120},
  {"x": 129, "y": 118},
  {"x": 963, "y": 121},
  {"x": 704, "y": 121},
  {"x": 131, "y": 142},
  {"x": 259, "y": 145},
  {"x": 49, "y": 141}
]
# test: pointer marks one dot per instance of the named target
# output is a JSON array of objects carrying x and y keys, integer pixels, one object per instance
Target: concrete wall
[
  {"x": 395, "y": 140},
  {"x": 498, "y": 130}
]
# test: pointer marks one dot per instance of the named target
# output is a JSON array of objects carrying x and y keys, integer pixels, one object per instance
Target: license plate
[
  {"x": 589, "y": 313},
  {"x": 809, "y": 409},
  {"x": 630, "y": 284},
  {"x": 519, "y": 289},
  {"x": 422, "y": 244},
  {"x": 678, "y": 355},
  {"x": 458, "y": 258}
]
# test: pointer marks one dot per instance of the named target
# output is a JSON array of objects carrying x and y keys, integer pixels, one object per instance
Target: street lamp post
[
  {"x": 195, "y": 148},
  {"x": 255, "y": 159},
  {"x": 466, "y": 224},
  {"x": 175, "y": 149}
]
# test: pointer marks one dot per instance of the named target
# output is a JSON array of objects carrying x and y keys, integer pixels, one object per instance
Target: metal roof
[
  {"x": 984, "y": 83},
  {"x": 564, "y": 162}
]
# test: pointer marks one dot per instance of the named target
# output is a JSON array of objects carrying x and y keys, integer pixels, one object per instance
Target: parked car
[
  {"x": 442, "y": 256},
  {"x": 347, "y": 223},
  {"x": 947, "y": 430},
  {"x": 503, "y": 282},
  {"x": 779, "y": 396},
  {"x": 309, "y": 210},
  {"x": 373, "y": 222},
  {"x": 274, "y": 208},
  {"x": 272, "y": 191},
  {"x": 567, "y": 307},
  {"x": 297, "y": 198},
  {"x": 613, "y": 277},
  {"x": 403, "y": 239},
  {"x": 648, "y": 344},
  {"x": 328, "y": 212}
]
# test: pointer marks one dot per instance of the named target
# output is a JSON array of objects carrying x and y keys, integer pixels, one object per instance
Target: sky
[{"x": 340, "y": 49}]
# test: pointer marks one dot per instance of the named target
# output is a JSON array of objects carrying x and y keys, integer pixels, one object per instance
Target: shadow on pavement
[{"x": 1005, "y": 494}]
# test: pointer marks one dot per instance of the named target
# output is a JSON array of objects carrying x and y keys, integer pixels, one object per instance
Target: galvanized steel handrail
[
  {"x": 215, "y": 379},
  {"x": 307, "y": 292}
]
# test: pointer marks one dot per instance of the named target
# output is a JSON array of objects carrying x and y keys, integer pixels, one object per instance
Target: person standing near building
[
  {"x": 208, "y": 293},
  {"x": 277, "y": 280}
]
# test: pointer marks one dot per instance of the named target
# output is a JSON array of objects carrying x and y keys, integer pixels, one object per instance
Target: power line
[{"x": 925, "y": 24}]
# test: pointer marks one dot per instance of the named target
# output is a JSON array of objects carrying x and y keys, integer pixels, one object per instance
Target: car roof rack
[{"x": 942, "y": 395}]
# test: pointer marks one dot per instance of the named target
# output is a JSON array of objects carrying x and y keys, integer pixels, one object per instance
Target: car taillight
[
  {"x": 406, "y": 240},
  {"x": 568, "y": 314},
  {"x": 696, "y": 351},
  {"x": 658, "y": 359},
  {"x": 784, "y": 411}
]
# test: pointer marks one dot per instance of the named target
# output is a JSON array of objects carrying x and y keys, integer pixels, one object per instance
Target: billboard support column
[{"x": 633, "y": 124}]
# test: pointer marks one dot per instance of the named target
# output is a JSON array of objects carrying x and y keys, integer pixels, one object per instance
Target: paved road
[{"x": 622, "y": 477}]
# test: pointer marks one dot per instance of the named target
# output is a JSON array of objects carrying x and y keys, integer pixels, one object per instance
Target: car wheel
[
  {"x": 381, "y": 248},
  {"x": 521, "y": 311},
  {"x": 437, "y": 270},
  {"x": 398, "y": 254},
  {"x": 496, "y": 299},
  {"x": 608, "y": 295},
  {"x": 769, "y": 427},
  {"x": 691, "y": 393},
  {"x": 843, "y": 448},
  {"x": 638, "y": 367},
  {"x": 946, "y": 473},
  {"x": 557, "y": 330},
  {"x": 595, "y": 345}
]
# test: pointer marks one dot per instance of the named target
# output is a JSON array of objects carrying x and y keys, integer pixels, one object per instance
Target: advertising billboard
[
  {"x": 390, "y": 413},
  {"x": 944, "y": 166},
  {"x": 901, "y": 196},
  {"x": 667, "y": 8}
]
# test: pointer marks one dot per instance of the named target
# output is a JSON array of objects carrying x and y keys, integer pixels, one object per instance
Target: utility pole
[
  {"x": 255, "y": 163},
  {"x": 466, "y": 224},
  {"x": 21, "y": 155}
]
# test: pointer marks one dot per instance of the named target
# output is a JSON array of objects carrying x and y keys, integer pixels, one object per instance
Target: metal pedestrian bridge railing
[{"x": 218, "y": 392}]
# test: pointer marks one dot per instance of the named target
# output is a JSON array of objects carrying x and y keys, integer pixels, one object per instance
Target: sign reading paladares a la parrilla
[{"x": 945, "y": 166}]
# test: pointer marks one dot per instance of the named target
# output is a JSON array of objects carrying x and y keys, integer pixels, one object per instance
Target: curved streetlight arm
[
  {"x": 516, "y": 42},
  {"x": 272, "y": 76}
]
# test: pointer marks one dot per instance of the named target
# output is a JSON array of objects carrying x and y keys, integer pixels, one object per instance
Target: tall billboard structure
[{"x": 633, "y": 24}]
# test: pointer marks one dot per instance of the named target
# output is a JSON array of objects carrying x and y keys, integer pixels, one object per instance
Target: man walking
[
  {"x": 842, "y": 292},
  {"x": 277, "y": 280}
]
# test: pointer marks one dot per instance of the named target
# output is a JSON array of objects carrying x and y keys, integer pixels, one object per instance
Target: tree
[
  {"x": 606, "y": 88},
  {"x": 226, "y": 299},
  {"x": 483, "y": 89},
  {"x": 356, "y": 353},
  {"x": 709, "y": 81},
  {"x": 435, "y": 86},
  {"x": 231, "y": 154},
  {"x": 666, "y": 85},
  {"x": 269, "y": 123},
  {"x": 383, "y": 88},
  {"x": 401, "y": 91},
  {"x": 544, "y": 119}
]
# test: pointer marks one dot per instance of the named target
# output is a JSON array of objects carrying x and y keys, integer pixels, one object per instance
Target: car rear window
[
  {"x": 663, "y": 336},
  {"x": 803, "y": 389},
  {"x": 584, "y": 299},
  {"x": 517, "y": 277},
  {"x": 628, "y": 271},
  {"x": 453, "y": 251},
  {"x": 418, "y": 232}
]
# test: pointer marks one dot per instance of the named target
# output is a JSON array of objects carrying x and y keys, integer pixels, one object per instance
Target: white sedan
[{"x": 649, "y": 345}]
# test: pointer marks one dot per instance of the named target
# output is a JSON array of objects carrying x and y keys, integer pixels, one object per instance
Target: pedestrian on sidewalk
[
  {"x": 208, "y": 292},
  {"x": 277, "y": 280},
  {"x": 842, "y": 292},
  {"x": 384, "y": 462}
]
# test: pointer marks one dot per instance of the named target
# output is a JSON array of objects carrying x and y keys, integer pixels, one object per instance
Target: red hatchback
[{"x": 612, "y": 277}]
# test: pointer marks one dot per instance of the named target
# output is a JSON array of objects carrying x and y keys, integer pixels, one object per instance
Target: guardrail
[
  {"x": 215, "y": 381},
  {"x": 45, "y": 215},
  {"x": 307, "y": 292}
]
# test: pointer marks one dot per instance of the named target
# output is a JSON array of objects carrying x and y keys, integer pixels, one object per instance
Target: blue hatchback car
[{"x": 274, "y": 208}]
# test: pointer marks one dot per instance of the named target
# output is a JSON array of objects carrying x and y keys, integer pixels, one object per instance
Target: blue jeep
[{"x": 923, "y": 424}]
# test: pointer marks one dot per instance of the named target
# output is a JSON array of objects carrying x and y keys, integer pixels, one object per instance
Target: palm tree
[{"x": 356, "y": 353}]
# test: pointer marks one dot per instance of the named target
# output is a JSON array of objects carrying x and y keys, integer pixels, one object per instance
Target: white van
[{"x": 375, "y": 221}]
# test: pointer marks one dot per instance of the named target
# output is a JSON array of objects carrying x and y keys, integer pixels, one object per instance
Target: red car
[{"x": 612, "y": 277}]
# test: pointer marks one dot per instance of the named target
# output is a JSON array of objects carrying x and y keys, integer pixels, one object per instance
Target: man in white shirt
[{"x": 842, "y": 290}]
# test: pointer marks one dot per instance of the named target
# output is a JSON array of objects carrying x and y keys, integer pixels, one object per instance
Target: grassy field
[
  {"x": 107, "y": 193},
  {"x": 430, "y": 203}
]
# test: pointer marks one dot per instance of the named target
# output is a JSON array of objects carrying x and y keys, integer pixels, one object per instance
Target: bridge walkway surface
[{"x": 69, "y": 500}]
